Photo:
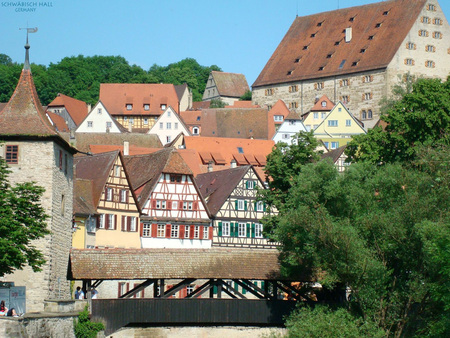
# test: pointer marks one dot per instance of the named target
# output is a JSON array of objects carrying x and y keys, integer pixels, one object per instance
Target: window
[
  {"x": 161, "y": 230},
  {"x": 411, "y": 46},
  {"x": 109, "y": 194},
  {"x": 91, "y": 224},
  {"x": 131, "y": 121},
  {"x": 123, "y": 196},
  {"x": 189, "y": 289},
  {"x": 278, "y": 118},
  {"x": 12, "y": 154},
  {"x": 332, "y": 123},
  {"x": 90, "y": 124},
  {"x": 348, "y": 123},
  {"x": 160, "y": 204},
  {"x": 329, "y": 55},
  {"x": 334, "y": 145},
  {"x": 431, "y": 7},
  {"x": 196, "y": 231},
  {"x": 326, "y": 145},
  {"x": 355, "y": 63},
  {"x": 175, "y": 178},
  {"x": 324, "y": 103},
  {"x": 258, "y": 230},
  {"x": 146, "y": 106},
  {"x": 226, "y": 229},
  {"x": 293, "y": 89},
  {"x": 315, "y": 126},
  {"x": 321, "y": 68},
  {"x": 368, "y": 78},
  {"x": 285, "y": 136},
  {"x": 129, "y": 106},
  {"x": 66, "y": 164},
  {"x": 293, "y": 105},
  {"x": 176, "y": 125},
  {"x": 195, "y": 130},
  {"x": 240, "y": 204},
  {"x": 423, "y": 33},
  {"x": 146, "y": 230},
  {"x": 133, "y": 221},
  {"x": 101, "y": 223},
  {"x": 174, "y": 205},
  {"x": 168, "y": 139},
  {"x": 242, "y": 230},
  {"x": 437, "y": 35},
  {"x": 186, "y": 231},
  {"x": 169, "y": 125},
  {"x": 305, "y": 47},
  {"x": 163, "y": 107},
  {"x": 297, "y": 60},
  {"x": 371, "y": 37},
  {"x": 175, "y": 231},
  {"x": 345, "y": 99},
  {"x": 111, "y": 221},
  {"x": 240, "y": 150},
  {"x": 319, "y": 85},
  {"x": 250, "y": 185},
  {"x": 269, "y": 91},
  {"x": 205, "y": 232},
  {"x": 289, "y": 72},
  {"x": 437, "y": 21},
  {"x": 161, "y": 125},
  {"x": 430, "y": 48},
  {"x": 385, "y": 12},
  {"x": 99, "y": 110},
  {"x": 369, "y": 114},
  {"x": 260, "y": 206},
  {"x": 125, "y": 118},
  {"x": 409, "y": 62},
  {"x": 63, "y": 204},
  {"x": 425, "y": 19},
  {"x": 367, "y": 96},
  {"x": 429, "y": 64},
  {"x": 363, "y": 115},
  {"x": 315, "y": 115},
  {"x": 117, "y": 171},
  {"x": 108, "y": 125},
  {"x": 363, "y": 50},
  {"x": 145, "y": 121},
  {"x": 187, "y": 205},
  {"x": 60, "y": 160},
  {"x": 344, "y": 83}
]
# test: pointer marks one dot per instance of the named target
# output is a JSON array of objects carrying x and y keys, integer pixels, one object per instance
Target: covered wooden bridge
[{"x": 214, "y": 272}]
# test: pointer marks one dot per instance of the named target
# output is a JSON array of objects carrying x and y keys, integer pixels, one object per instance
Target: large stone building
[
  {"x": 356, "y": 55},
  {"x": 228, "y": 87},
  {"x": 35, "y": 152}
]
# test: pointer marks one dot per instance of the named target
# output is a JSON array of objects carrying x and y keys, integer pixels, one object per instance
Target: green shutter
[
  {"x": 220, "y": 229},
  {"x": 236, "y": 287},
  {"x": 264, "y": 207},
  {"x": 245, "y": 205},
  {"x": 244, "y": 291},
  {"x": 232, "y": 229},
  {"x": 215, "y": 289},
  {"x": 255, "y": 205},
  {"x": 253, "y": 230},
  {"x": 246, "y": 184},
  {"x": 248, "y": 230},
  {"x": 263, "y": 285},
  {"x": 236, "y": 205}
]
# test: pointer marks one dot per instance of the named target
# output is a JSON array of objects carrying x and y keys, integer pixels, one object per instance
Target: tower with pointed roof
[{"x": 34, "y": 151}]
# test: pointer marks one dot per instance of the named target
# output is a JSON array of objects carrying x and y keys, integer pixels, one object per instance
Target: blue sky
[{"x": 238, "y": 36}]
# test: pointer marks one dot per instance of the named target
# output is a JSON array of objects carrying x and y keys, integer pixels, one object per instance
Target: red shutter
[
  {"x": 154, "y": 230},
  {"x": 168, "y": 226},
  {"x": 141, "y": 229},
  {"x": 211, "y": 232},
  {"x": 200, "y": 230},
  {"x": 115, "y": 222},
  {"x": 182, "y": 228},
  {"x": 154, "y": 204},
  {"x": 106, "y": 221},
  {"x": 180, "y": 205},
  {"x": 191, "y": 229},
  {"x": 129, "y": 224},
  {"x": 123, "y": 228},
  {"x": 195, "y": 206},
  {"x": 128, "y": 197}
]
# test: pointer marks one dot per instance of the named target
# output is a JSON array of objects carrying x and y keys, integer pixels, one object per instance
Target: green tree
[
  {"x": 22, "y": 220},
  {"x": 84, "y": 328},
  {"x": 420, "y": 118},
  {"x": 217, "y": 103},
  {"x": 247, "y": 96},
  {"x": 372, "y": 229}
]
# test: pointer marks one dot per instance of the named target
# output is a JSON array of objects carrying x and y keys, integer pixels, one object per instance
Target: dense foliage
[
  {"x": 22, "y": 220},
  {"x": 380, "y": 230},
  {"x": 80, "y": 76},
  {"x": 84, "y": 328}
]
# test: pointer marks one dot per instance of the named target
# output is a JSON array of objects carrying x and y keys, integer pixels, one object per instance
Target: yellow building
[{"x": 338, "y": 127}]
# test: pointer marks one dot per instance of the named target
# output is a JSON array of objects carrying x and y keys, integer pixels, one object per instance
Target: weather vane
[{"x": 29, "y": 30}]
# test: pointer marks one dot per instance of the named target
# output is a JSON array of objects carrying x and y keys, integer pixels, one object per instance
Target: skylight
[
  {"x": 240, "y": 150},
  {"x": 342, "y": 64}
]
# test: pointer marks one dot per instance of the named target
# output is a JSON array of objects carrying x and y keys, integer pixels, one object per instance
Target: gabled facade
[
  {"x": 356, "y": 55},
  {"x": 228, "y": 87},
  {"x": 174, "y": 214},
  {"x": 138, "y": 105},
  {"x": 231, "y": 195},
  {"x": 318, "y": 112},
  {"x": 278, "y": 113},
  {"x": 184, "y": 97},
  {"x": 116, "y": 218},
  {"x": 338, "y": 157},
  {"x": 168, "y": 126},
  {"x": 193, "y": 120},
  {"x": 338, "y": 127},
  {"x": 73, "y": 111},
  {"x": 34, "y": 151},
  {"x": 291, "y": 125},
  {"x": 100, "y": 121}
]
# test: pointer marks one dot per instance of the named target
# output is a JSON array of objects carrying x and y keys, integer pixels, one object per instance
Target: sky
[{"x": 238, "y": 36}]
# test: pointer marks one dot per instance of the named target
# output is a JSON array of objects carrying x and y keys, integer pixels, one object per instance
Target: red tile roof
[
  {"x": 230, "y": 84},
  {"x": 133, "y": 150},
  {"x": 315, "y": 46},
  {"x": 77, "y": 109},
  {"x": 235, "y": 263},
  {"x": 115, "y": 97},
  {"x": 192, "y": 117},
  {"x": 199, "y": 105},
  {"x": 58, "y": 122},
  {"x": 83, "y": 200},
  {"x": 318, "y": 106}
]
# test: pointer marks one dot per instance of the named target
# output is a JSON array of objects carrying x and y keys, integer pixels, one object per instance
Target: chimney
[
  {"x": 348, "y": 34},
  {"x": 210, "y": 166},
  {"x": 89, "y": 107},
  {"x": 126, "y": 148},
  {"x": 233, "y": 163}
]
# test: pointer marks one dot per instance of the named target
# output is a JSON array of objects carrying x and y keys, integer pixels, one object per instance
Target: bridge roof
[{"x": 224, "y": 263}]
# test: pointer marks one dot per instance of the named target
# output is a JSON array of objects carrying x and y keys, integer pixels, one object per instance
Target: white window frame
[
  {"x": 242, "y": 230},
  {"x": 123, "y": 195},
  {"x": 196, "y": 231},
  {"x": 133, "y": 221},
  {"x": 145, "y": 121},
  {"x": 332, "y": 123},
  {"x": 186, "y": 231},
  {"x": 161, "y": 231},
  {"x": 260, "y": 206},
  {"x": 147, "y": 230},
  {"x": 90, "y": 124},
  {"x": 101, "y": 223},
  {"x": 258, "y": 230},
  {"x": 315, "y": 115},
  {"x": 111, "y": 222},
  {"x": 175, "y": 231},
  {"x": 161, "y": 125},
  {"x": 205, "y": 232},
  {"x": 240, "y": 205},
  {"x": 348, "y": 123},
  {"x": 334, "y": 145},
  {"x": 108, "y": 124},
  {"x": 109, "y": 194},
  {"x": 226, "y": 229},
  {"x": 169, "y": 125},
  {"x": 146, "y": 106},
  {"x": 129, "y": 106}
]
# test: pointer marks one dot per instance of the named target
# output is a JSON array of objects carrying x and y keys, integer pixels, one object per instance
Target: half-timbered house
[
  {"x": 174, "y": 214},
  {"x": 116, "y": 218},
  {"x": 231, "y": 195}
]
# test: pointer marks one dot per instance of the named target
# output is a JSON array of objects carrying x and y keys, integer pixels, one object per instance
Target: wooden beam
[
  {"x": 174, "y": 289},
  {"x": 138, "y": 288}
]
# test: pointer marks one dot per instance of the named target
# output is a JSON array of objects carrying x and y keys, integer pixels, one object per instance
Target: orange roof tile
[
  {"x": 319, "y": 105},
  {"x": 199, "y": 105},
  {"x": 133, "y": 150},
  {"x": 77, "y": 109},
  {"x": 192, "y": 117},
  {"x": 315, "y": 47},
  {"x": 116, "y": 97},
  {"x": 58, "y": 121}
]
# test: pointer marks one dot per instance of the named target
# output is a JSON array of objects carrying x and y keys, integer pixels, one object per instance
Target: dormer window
[
  {"x": 163, "y": 107},
  {"x": 320, "y": 24},
  {"x": 355, "y": 63},
  {"x": 297, "y": 60},
  {"x": 371, "y": 37},
  {"x": 385, "y": 13},
  {"x": 324, "y": 103},
  {"x": 313, "y": 35},
  {"x": 129, "y": 106},
  {"x": 289, "y": 72},
  {"x": 351, "y": 19},
  {"x": 321, "y": 68},
  {"x": 146, "y": 106},
  {"x": 378, "y": 25},
  {"x": 329, "y": 55},
  {"x": 305, "y": 47},
  {"x": 363, "y": 50},
  {"x": 337, "y": 43}
]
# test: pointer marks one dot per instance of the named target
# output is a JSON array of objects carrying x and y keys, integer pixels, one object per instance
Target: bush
[{"x": 84, "y": 328}]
